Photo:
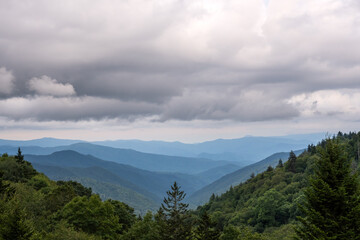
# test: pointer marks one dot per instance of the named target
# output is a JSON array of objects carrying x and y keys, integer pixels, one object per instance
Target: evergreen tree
[
  {"x": 177, "y": 218},
  {"x": 270, "y": 168},
  {"x": 161, "y": 223},
  {"x": 231, "y": 191},
  {"x": 332, "y": 206},
  {"x": 291, "y": 163},
  {"x": 17, "y": 169},
  {"x": 311, "y": 149},
  {"x": 19, "y": 157},
  {"x": 280, "y": 164},
  {"x": 212, "y": 198},
  {"x": 206, "y": 230}
]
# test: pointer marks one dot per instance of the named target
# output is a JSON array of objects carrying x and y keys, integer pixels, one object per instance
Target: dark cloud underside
[{"x": 177, "y": 60}]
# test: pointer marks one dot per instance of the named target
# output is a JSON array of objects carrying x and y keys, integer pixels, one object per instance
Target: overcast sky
[{"x": 178, "y": 70}]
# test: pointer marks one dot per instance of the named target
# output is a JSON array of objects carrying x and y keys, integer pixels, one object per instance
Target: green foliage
[
  {"x": 267, "y": 200},
  {"x": 92, "y": 216},
  {"x": 39, "y": 182},
  {"x": 332, "y": 206},
  {"x": 34, "y": 207},
  {"x": 237, "y": 177},
  {"x": 113, "y": 191},
  {"x": 240, "y": 233},
  {"x": 16, "y": 169},
  {"x": 58, "y": 197},
  {"x": 146, "y": 229},
  {"x": 268, "y": 203},
  {"x": 124, "y": 213},
  {"x": 270, "y": 210},
  {"x": 79, "y": 189},
  {"x": 284, "y": 232},
  {"x": 4, "y": 187},
  {"x": 19, "y": 157},
  {"x": 206, "y": 229},
  {"x": 291, "y": 163},
  {"x": 264, "y": 207},
  {"x": 176, "y": 215},
  {"x": 14, "y": 224},
  {"x": 63, "y": 231}
]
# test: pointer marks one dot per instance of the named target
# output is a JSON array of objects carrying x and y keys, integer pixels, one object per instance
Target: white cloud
[
  {"x": 6, "y": 81},
  {"x": 48, "y": 86},
  {"x": 341, "y": 103}
]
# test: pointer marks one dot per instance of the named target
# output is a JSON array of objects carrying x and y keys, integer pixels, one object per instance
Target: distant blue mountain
[
  {"x": 244, "y": 150},
  {"x": 146, "y": 161},
  {"x": 215, "y": 173},
  {"x": 171, "y": 156},
  {"x": 69, "y": 164},
  {"x": 150, "y": 174},
  {"x": 42, "y": 142}
]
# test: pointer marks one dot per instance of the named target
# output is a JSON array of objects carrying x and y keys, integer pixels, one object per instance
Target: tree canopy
[{"x": 332, "y": 206}]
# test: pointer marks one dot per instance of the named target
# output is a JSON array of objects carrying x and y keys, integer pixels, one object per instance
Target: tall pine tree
[
  {"x": 19, "y": 157},
  {"x": 291, "y": 163},
  {"x": 332, "y": 206},
  {"x": 175, "y": 214}
]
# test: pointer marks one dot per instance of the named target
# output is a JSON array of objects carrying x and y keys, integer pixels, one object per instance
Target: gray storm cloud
[
  {"x": 245, "y": 106},
  {"x": 181, "y": 60},
  {"x": 6, "y": 81},
  {"x": 48, "y": 108}
]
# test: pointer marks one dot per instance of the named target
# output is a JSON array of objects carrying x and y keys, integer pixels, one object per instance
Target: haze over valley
[{"x": 141, "y": 179}]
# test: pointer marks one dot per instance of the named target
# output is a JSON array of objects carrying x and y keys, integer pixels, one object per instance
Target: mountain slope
[
  {"x": 154, "y": 182},
  {"x": 106, "y": 184},
  {"x": 151, "y": 162},
  {"x": 216, "y": 173},
  {"x": 65, "y": 172},
  {"x": 234, "y": 178},
  {"x": 269, "y": 202}
]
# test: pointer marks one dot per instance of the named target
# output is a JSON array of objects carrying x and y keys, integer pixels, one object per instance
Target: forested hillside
[
  {"x": 34, "y": 207},
  {"x": 312, "y": 196},
  {"x": 234, "y": 178},
  {"x": 268, "y": 203},
  {"x": 141, "y": 189}
]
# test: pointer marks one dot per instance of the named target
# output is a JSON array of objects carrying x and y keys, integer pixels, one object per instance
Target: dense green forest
[
  {"x": 311, "y": 196},
  {"x": 269, "y": 205}
]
